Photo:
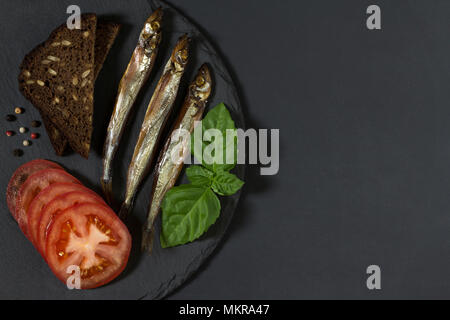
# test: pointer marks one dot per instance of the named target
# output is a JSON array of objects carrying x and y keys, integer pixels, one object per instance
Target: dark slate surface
[
  {"x": 23, "y": 274},
  {"x": 365, "y": 152}
]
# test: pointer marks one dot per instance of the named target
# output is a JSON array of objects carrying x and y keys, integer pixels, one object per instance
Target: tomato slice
[
  {"x": 56, "y": 206},
  {"x": 20, "y": 176},
  {"x": 31, "y": 188},
  {"x": 44, "y": 197},
  {"x": 90, "y": 237}
]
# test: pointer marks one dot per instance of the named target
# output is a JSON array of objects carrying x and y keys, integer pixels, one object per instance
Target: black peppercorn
[
  {"x": 18, "y": 152},
  {"x": 35, "y": 124},
  {"x": 10, "y": 117}
]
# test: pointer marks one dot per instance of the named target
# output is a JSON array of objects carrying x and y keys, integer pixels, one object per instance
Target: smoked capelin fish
[
  {"x": 136, "y": 74},
  {"x": 176, "y": 148},
  {"x": 158, "y": 110}
]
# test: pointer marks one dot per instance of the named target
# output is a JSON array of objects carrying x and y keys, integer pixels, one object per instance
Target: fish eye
[
  {"x": 184, "y": 54},
  {"x": 155, "y": 25},
  {"x": 200, "y": 81}
]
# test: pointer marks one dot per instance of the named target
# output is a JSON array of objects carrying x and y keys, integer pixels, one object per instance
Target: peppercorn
[
  {"x": 35, "y": 124},
  {"x": 10, "y": 117},
  {"x": 18, "y": 110},
  {"x": 9, "y": 133},
  {"x": 22, "y": 129},
  {"x": 34, "y": 135},
  {"x": 26, "y": 143},
  {"x": 17, "y": 152}
]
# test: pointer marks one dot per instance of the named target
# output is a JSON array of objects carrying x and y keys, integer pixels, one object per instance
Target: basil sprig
[{"x": 190, "y": 209}]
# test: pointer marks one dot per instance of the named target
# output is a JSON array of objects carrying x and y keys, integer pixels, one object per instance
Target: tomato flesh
[
  {"x": 90, "y": 237},
  {"x": 33, "y": 186},
  {"x": 44, "y": 197},
  {"x": 56, "y": 206},
  {"x": 20, "y": 176}
]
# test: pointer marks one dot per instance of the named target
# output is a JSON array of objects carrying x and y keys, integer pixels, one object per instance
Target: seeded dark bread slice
[
  {"x": 106, "y": 34},
  {"x": 59, "y": 142},
  {"x": 58, "y": 78}
]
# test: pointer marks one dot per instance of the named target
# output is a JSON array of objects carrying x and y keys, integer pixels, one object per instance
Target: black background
[{"x": 364, "y": 171}]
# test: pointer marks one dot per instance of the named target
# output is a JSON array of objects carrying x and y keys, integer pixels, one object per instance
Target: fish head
[
  {"x": 180, "y": 54},
  {"x": 202, "y": 85},
  {"x": 151, "y": 34}
]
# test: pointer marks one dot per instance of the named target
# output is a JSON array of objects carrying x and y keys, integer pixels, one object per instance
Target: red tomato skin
[
  {"x": 31, "y": 188},
  {"x": 44, "y": 197},
  {"x": 52, "y": 237},
  {"x": 20, "y": 176}
]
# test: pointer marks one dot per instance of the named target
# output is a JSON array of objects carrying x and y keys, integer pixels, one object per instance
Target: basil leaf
[
  {"x": 218, "y": 118},
  {"x": 199, "y": 176},
  {"x": 187, "y": 212},
  {"x": 226, "y": 183}
]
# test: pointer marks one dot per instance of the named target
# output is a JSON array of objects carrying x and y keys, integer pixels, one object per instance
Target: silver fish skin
[
  {"x": 155, "y": 118},
  {"x": 135, "y": 76},
  {"x": 176, "y": 148}
]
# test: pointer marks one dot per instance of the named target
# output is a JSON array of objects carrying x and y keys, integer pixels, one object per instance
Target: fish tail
[
  {"x": 125, "y": 209},
  {"x": 149, "y": 228},
  {"x": 147, "y": 239},
  {"x": 107, "y": 190}
]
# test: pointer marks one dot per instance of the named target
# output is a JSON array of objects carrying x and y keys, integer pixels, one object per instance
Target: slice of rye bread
[
  {"x": 106, "y": 34},
  {"x": 58, "y": 78},
  {"x": 105, "y": 37}
]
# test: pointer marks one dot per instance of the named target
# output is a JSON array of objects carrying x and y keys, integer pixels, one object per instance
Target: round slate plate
[{"x": 23, "y": 273}]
